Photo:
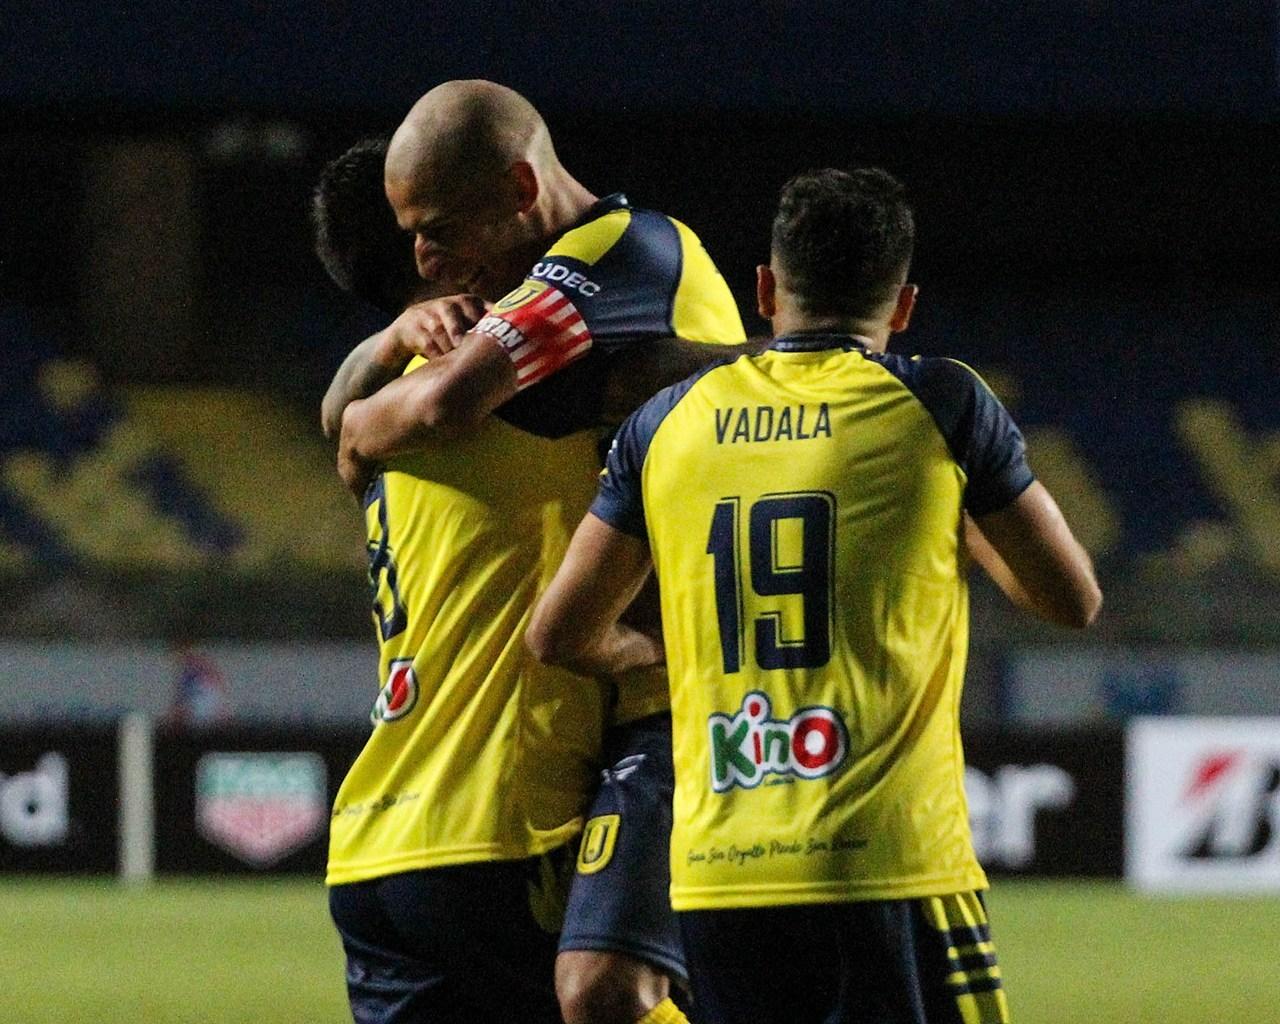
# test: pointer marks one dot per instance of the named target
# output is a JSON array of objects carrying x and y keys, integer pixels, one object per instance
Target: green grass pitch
[{"x": 264, "y": 952}]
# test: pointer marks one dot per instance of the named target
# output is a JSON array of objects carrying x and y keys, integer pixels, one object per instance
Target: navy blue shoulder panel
[
  {"x": 629, "y": 291},
  {"x": 979, "y": 431},
  {"x": 625, "y": 297},
  {"x": 620, "y": 502},
  {"x": 638, "y": 278}
]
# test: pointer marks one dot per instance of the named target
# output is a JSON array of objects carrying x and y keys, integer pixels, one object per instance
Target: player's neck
[
  {"x": 563, "y": 201},
  {"x": 875, "y": 335}
]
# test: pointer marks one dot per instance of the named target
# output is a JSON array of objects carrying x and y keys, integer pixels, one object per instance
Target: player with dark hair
[
  {"x": 806, "y": 510},
  {"x": 609, "y": 274},
  {"x": 356, "y": 236},
  {"x": 457, "y": 576},
  {"x": 364, "y": 252}
]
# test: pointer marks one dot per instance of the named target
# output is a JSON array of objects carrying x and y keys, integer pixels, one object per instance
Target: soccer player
[
  {"x": 804, "y": 510},
  {"x": 577, "y": 279},
  {"x": 449, "y": 842},
  {"x": 626, "y": 274}
]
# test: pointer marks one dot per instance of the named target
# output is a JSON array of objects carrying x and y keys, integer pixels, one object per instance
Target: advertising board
[
  {"x": 1047, "y": 804},
  {"x": 1203, "y": 805},
  {"x": 243, "y": 801},
  {"x": 58, "y": 806}
]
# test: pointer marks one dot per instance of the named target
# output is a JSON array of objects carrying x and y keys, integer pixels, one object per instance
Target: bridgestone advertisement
[
  {"x": 1047, "y": 804},
  {"x": 1204, "y": 805},
  {"x": 58, "y": 809}
]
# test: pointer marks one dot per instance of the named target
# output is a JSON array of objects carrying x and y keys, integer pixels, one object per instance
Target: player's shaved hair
[
  {"x": 356, "y": 236},
  {"x": 465, "y": 127},
  {"x": 842, "y": 240}
]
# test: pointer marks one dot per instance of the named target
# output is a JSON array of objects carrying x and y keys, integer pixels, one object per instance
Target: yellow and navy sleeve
[
  {"x": 620, "y": 501},
  {"x": 980, "y": 433},
  {"x": 613, "y": 280}
]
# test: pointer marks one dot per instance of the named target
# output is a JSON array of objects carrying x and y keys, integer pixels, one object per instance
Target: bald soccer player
[
  {"x": 586, "y": 290},
  {"x": 449, "y": 850}
]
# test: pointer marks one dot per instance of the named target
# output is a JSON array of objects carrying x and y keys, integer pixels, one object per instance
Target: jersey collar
[
  {"x": 605, "y": 204},
  {"x": 818, "y": 342}
]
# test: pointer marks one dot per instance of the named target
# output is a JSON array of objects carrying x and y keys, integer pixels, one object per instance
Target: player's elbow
[
  {"x": 1076, "y": 607},
  {"x": 551, "y": 641},
  {"x": 544, "y": 644},
  {"x": 1088, "y": 604}
]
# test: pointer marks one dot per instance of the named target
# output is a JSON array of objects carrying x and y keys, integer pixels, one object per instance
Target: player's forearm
[
  {"x": 400, "y": 417},
  {"x": 1076, "y": 604},
  {"x": 981, "y": 551},
  {"x": 1049, "y": 565},
  {"x": 619, "y": 649},
  {"x": 575, "y": 623},
  {"x": 447, "y": 397},
  {"x": 642, "y": 370},
  {"x": 372, "y": 364}
]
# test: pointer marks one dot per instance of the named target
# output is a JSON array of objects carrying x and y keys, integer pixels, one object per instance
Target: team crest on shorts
[
  {"x": 400, "y": 694},
  {"x": 750, "y": 744},
  {"x": 598, "y": 840}
]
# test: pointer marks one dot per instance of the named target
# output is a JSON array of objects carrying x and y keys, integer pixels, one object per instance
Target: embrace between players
[{"x": 553, "y": 767}]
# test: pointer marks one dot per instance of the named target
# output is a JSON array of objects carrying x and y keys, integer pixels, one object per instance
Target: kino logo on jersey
[{"x": 750, "y": 744}]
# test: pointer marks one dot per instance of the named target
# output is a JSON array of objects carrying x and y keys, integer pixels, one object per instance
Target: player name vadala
[{"x": 751, "y": 423}]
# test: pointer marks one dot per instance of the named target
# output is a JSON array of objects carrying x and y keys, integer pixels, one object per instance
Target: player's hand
[
  {"x": 357, "y": 473},
  {"x": 436, "y": 326}
]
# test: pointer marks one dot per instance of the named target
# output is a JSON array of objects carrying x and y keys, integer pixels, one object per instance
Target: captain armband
[{"x": 542, "y": 334}]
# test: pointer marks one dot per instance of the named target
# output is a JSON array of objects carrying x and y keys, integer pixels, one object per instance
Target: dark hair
[
  {"x": 356, "y": 235},
  {"x": 843, "y": 239}
]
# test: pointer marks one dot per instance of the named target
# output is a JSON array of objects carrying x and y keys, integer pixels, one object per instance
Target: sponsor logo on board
[{"x": 261, "y": 807}]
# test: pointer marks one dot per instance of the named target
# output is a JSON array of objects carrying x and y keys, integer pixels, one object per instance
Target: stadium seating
[
  {"x": 98, "y": 478},
  {"x": 1159, "y": 443}
]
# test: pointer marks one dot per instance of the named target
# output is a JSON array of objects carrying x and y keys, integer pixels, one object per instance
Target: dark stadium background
[{"x": 1097, "y": 187}]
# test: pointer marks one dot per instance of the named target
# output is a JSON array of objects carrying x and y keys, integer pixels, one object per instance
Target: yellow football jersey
[
  {"x": 803, "y": 507},
  {"x": 477, "y": 752},
  {"x": 619, "y": 276}
]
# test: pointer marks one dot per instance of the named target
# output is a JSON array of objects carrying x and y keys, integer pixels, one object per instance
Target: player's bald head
[{"x": 463, "y": 128}]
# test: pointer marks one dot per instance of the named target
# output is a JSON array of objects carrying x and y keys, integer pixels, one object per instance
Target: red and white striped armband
[{"x": 542, "y": 335}]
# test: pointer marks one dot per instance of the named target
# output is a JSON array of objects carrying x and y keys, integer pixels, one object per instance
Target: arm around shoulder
[
  {"x": 432, "y": 329},
  {"x": 446, "y": 397},
  {"x": 368, "y": 366},
  {"x": 1037, "y": 561}
]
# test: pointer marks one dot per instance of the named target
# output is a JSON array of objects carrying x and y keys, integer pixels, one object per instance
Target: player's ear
[
  {"x": 903, "y": 308},
  {"x": 766, "y": 292},
  {"x": 524, "y": 183}
]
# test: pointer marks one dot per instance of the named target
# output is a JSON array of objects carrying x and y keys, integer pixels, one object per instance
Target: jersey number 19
[{"x": 774, "y": 571}]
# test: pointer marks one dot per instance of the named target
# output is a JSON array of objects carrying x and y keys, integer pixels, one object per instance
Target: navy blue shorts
[
  {"x": 467, "y": 944},
  {"x": 620, "y": 899},
  {"x": 913, "y": 961}
]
